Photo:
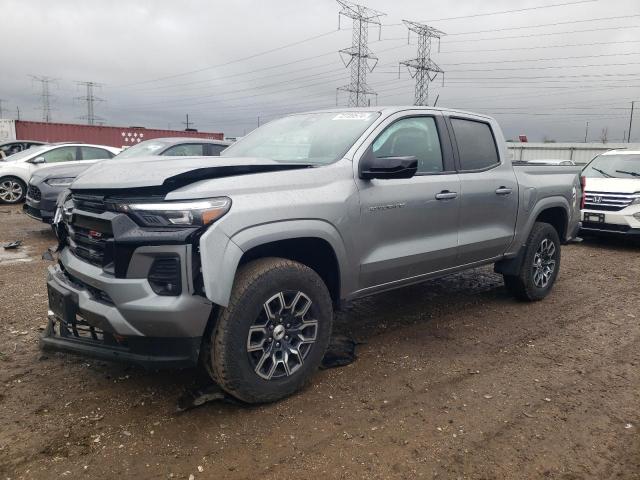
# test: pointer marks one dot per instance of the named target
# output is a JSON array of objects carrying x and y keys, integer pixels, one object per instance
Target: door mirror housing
[
  {"x": 38, "y": 160},
  {"x": 386, "y": 168}
]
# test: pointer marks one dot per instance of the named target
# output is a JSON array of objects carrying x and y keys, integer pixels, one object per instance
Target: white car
[
  {"x": 17, "y": 169},
  {"x": 612, "y": 194}
]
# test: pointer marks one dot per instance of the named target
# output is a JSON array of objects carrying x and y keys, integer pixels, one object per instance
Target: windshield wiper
[
  {"x": 633, "y": 174},
  {"x": 602, "y": 172}
]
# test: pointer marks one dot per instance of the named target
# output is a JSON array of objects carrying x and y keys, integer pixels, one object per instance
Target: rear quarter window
[{"x": 476, "y": 145}]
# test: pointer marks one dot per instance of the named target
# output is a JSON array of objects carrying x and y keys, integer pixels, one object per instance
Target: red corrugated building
[{"x": 102, "y": 135}]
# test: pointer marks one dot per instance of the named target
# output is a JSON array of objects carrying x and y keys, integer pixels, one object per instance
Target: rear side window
[
  {"x": 185, "y": 150},
  {"x": 93, "y": 153},
  {"x": 476, "y": 145},
  {"x": 216, "y": 150}
]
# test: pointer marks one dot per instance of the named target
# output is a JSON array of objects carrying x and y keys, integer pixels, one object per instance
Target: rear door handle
[
  {"x": 446, "y": 195},
  {"x": 503, "y": 191}
]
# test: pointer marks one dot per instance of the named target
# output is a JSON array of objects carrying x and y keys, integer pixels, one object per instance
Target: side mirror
[
  {"x": 38, "y": 160},
  {"x": 386, "y": 167}
]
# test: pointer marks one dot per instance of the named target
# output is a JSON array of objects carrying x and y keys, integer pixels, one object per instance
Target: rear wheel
[
  {"x": 540, "y": 266},
  {"x": 274, "y": 333},
  {"x": 12, "y": 190}
]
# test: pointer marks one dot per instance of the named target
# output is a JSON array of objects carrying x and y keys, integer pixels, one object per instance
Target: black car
[
  {"x": 47, "y": 183},
  {"x": 9, "y": 148}
]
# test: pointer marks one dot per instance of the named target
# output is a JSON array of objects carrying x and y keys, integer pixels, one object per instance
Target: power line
[
  {"x": 90, "y": 99},
  {"x": 359, "y": 53},
  {"x": 543, "y": 46},
  {"x": 45, "y": 95},
  {"x": 422, "y": 68}
]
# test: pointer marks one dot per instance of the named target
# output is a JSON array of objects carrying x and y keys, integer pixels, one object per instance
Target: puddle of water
[{"x": 9, "y": 257}]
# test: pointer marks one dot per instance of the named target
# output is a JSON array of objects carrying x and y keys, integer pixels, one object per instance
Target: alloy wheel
[
  {"x": 282, "y": 336},
  {"x": 544, "y": 263},
  {"x": 10, "y": 191}
]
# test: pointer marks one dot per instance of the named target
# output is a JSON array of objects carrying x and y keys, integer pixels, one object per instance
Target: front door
[{"x": 409, "y": 227}]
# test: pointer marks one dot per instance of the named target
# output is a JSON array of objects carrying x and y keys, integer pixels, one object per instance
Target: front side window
[
  {"x": 313, "y": 138},
  {"x": 93, "y": 153},
  {"x": 216, "y": 150},
  {"x": 613, "y": 166},
  {"x": 148, "y": 147},
  {"x": 476, "y": 145},
  {"x": 412, "y": 137},
  {"x": 185, "y": 150},
  {"x": 62, "y": 154}
]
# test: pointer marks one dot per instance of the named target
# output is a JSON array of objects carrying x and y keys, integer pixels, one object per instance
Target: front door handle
[
  {"x": 503, "y": 191},
  {"x": 446, "y": 195}
]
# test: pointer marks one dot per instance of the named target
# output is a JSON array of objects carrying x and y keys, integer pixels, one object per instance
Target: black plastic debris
[
  {"x": 341, "y": 352},
  {"x": 13, "y": 245},
  {"x": 48, "y": 255}
]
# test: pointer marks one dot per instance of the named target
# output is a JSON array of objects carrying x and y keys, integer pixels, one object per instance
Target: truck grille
[
  {"x": 89, "y": 239},
  {"x": 607, "y": 201},
  {"x": 34, "y": 193},
  {"x": 88, "y": 203}
]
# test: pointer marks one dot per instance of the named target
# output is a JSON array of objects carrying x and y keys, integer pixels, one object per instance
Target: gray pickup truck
[{"x": 237, "y": 263}]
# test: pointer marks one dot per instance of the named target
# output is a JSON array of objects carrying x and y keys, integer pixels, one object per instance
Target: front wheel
[
  {"x": 540, "y": 266},
  {"x": 273, "y": 335},
  {"x": 12, "y": 190}
]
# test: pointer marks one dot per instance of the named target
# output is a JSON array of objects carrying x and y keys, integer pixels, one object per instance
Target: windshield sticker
[{"x": 353, "y": 116}]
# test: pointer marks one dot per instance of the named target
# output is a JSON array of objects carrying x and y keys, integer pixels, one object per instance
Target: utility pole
[
  {"x": 630, "y": 122},
  {"x": 17, "y": 113},
  {"x": 187, "y": 124},
  {"x": 586, "y": 133},
  {"x": 1, "y": 101},
  {"x": 45, "y": 95},
  {"x": 357, "y": 56},
  {"x": 90, "y": 100},
  {"x": 422, "y": 68}
]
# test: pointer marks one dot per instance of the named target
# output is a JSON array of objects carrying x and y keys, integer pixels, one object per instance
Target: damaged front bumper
[{"x": 96, "y": 314}]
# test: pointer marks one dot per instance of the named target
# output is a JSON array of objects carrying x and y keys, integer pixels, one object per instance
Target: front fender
[{"x": 221, "y": 254}]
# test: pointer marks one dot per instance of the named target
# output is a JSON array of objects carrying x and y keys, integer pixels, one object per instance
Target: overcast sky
[{"x": 221, "y": 62}]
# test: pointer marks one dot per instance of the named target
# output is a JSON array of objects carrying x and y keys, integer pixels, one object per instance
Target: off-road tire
[
  {"x": 522, "y": 286},
  {"x": 16, "y": 180},
  {"x": 228, "y": 359}
]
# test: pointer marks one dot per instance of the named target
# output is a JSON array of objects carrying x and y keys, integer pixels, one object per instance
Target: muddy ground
[{"x": 455, "y": 380}]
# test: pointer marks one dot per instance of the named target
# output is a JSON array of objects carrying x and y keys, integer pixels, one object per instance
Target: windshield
[
  {"x": 614, "y": 166},
  {"x": 318, "y": 138},
  {"x": 148, "y": 147},
  {"x": 28, "y": 153}
]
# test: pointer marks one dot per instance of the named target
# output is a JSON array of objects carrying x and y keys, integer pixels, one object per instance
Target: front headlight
[
  {"x": 60, "y": 182},
  {"x": 189, "y": 213},
  {"x": 636, "y": 201}
]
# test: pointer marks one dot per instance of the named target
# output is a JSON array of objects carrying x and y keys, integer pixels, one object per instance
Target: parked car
[
  {"x": 612, "y": 194},
  {"x": 552, "y": 161},
  {"x": 16, "y": 171},
  {"x": 47, "y": 183},
  {"x": 238, "y": 265},
  {"x": 9, "y": 148}
]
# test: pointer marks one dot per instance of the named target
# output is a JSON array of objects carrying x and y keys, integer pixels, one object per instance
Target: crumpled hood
[
  {"x": 58, "y": 171},
  {"x": 171, "y": 172},
  {"x": 613, "y": 185}
]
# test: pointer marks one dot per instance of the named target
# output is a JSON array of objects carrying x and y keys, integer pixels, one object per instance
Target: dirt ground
[{"x": 455, "y": 380}]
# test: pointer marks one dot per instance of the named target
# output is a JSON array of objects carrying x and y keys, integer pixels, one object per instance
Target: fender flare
[{"x": 223, "y": 253}]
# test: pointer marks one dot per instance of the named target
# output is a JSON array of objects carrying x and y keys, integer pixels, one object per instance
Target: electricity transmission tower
[
  {"x": 358, "y": 56},
  {"x": 422, "y": 68},
  {"x": 45, "y": 95},
  {"x": 90, "y": 99},
  {"x": 188, "y": 124}
]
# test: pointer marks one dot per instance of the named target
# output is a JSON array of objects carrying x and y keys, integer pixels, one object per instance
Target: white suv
[
  {"x": 612, "y": 194},
  {"x": 17, "y": 169}
]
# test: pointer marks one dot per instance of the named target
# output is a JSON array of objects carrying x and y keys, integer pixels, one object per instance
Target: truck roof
[{"x": 389, "y": 109}]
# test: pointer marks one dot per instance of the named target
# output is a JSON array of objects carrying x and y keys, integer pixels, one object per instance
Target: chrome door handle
[
  {"x": 446, "y": 195},
  {"x": 503, "y": 191}
]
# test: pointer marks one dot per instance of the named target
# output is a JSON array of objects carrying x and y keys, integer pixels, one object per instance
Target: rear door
[
  {"x": 489, "y": 191},
  {"x": 409, "y": 227}
]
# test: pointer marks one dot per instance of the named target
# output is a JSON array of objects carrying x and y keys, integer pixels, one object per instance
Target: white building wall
[
  {"x": 580, "y": 153},
  {"x": 7, "y": 130}
]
